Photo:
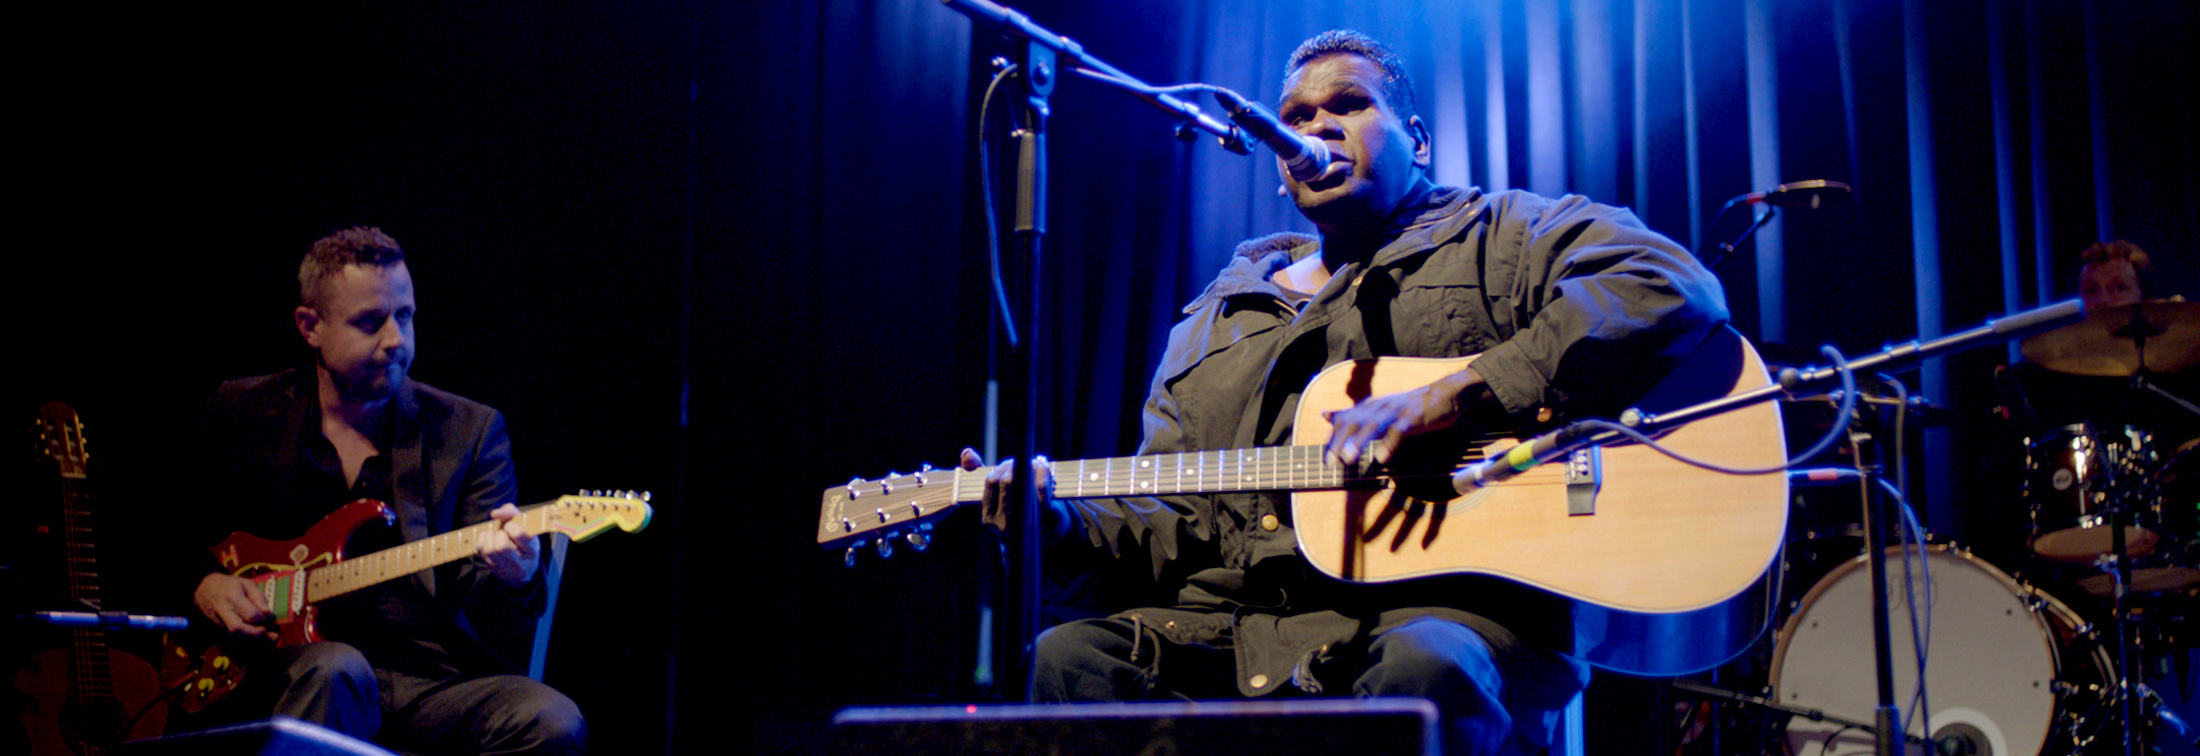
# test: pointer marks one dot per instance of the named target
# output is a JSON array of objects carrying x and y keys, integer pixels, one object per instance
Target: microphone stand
[
  {"x": 1711, "y": 256},
  {"x": 1043, "y": 54}
]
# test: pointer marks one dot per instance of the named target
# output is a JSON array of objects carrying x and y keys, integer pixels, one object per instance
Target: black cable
[
  {"x": 1848, "y": 404},
  {"x": 992, "y": 222}
]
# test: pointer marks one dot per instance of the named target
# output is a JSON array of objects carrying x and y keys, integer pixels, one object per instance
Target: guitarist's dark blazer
[{"x": 450, "y": 463}]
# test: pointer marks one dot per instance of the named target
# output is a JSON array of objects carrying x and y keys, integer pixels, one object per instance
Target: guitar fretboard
[
  {"x": 1297, "y": 468},
  {"x": 362, "y": 571},
  {"x": 87, "y": 647}
]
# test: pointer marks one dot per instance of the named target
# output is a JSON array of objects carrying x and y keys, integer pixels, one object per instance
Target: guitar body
[
  {"x": 278, "y": 567},
  {"x": 1669, "y": 570},
  {"x": 65, "y": 719}
]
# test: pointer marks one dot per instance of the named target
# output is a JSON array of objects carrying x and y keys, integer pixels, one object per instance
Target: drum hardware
[
  {"x": 1885, "y": 716},
  {"x": 2077, "y": 477},
  {"x": 1814, "y": 715},
  {"x": 2008, "y": 661}
]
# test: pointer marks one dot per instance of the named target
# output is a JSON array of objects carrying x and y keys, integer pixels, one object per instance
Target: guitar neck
[
  {"x": 389, "y": 564},
  {"x": 87, "y": 647},
  {"x": 1276, "y": 468},
  {"x": 863, "y": 506}
]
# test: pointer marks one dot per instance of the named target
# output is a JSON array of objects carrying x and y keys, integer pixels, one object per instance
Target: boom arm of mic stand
[
  {"x": 1073, "y": 54},
  {"x": 1902, "y": 355}
]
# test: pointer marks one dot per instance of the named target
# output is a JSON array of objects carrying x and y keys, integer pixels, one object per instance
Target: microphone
[
  {"x": 112, "y": 620},
  {"x": 1519, "y": 459},
  {"x": 1813, "y": 194},
  {"x": 1304, "y": 157}
]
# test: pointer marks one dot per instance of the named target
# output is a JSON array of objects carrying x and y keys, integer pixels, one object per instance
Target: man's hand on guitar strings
[
  {"x": 994, "y": 510},
  {"x": 234, "y": 603},
  {"x": 1368, "y": 433},
  {"x": 511, "y": 552}
]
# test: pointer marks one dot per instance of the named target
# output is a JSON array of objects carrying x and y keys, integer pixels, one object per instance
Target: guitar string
[
  {"x": 1121, "y": 476},
  {"x": 353, "y": 574}
]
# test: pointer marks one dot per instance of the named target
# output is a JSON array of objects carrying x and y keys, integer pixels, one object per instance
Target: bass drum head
[{"x": 1992, "y": 659}]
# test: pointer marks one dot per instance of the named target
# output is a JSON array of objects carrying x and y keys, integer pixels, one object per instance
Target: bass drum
[{"x": 2010, "y": 668}]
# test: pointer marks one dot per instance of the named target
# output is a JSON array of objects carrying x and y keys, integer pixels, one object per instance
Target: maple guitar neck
[{"x": 392, "y": 563}]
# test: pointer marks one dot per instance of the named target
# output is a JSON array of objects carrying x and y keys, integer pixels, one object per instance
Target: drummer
[{"x": 2081, "y": 387}]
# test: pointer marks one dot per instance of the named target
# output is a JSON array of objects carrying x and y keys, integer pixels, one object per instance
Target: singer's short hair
[
  {"x": 1397, "y": 87},
  {"x": 358, "y": 245},
  {"x": 2111, "y": 251}
]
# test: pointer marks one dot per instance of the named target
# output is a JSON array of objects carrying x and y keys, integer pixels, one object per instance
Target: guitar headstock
[
  {"x": 583, "y": 515},
  {"x": 61, "y": 436},
  {"x": 895, "y": 507}
]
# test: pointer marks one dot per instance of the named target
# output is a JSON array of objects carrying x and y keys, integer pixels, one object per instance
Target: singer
[{"x": 1573, "y": 306}]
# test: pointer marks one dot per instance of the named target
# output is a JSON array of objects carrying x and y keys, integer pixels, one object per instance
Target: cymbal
[{"x": 2106, "y": 343}]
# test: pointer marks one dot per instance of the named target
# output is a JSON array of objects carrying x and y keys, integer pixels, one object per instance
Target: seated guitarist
[
  {"x": 425, "y": 663},
  {"x": 1573, "y": 306}
]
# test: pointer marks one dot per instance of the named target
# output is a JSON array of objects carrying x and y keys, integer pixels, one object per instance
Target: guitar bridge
[{"x": 1584, "y": 475}]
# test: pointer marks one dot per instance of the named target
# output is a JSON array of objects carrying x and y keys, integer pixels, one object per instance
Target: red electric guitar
[{"x": 295, "y": 574}]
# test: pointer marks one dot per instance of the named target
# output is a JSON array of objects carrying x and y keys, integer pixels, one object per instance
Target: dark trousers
[
  {"x": 1445, "y": 662},
  {"x": 331, "y": 684}
]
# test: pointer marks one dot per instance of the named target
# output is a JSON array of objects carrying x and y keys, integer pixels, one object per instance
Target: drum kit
[{"x": 2011, "y": 668}]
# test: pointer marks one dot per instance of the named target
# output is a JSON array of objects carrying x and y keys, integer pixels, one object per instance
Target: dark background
[{"x": 733, "y": 254}]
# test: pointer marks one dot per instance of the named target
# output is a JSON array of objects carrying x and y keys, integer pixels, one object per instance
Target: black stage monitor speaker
[
  {"x": 1362, "y": 727},
  {"x": 280, "y": 736}
]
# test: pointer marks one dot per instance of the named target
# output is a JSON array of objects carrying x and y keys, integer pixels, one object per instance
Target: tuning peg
[
  {"x": 645, "y": 496},
  {"x": 849, "y": 559},
  {"x": 854, "y": 492},
  {"x": 886, "y": 484},
  {"x": 919, "y": 540},
  {"x": 886, "y": 546}
]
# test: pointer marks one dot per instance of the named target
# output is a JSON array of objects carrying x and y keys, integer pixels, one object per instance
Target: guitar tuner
[
  {"x": 883, "y": 516},
  {"x": 849, "y": 559},
  {"x": 847, "y": 525},
  {"x": 886, "y": 546},
  {"x": 886, "y": 484},
  {"x": 919, "y": 540},
  {"x": 854, "y": 492}
]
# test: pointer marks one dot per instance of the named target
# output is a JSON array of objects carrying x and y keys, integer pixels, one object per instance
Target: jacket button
[
  {"x": 1268, "y": 522},
  {"x": 1257, "y": 681}
]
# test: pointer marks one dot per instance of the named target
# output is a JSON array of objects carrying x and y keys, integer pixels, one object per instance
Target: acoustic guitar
[
  {"x": 1666, "y": 566},
  {"x": 87, "y": 697}
]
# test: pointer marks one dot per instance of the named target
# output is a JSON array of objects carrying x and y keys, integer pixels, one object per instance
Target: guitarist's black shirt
[{"x": 395, "y": 623}]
